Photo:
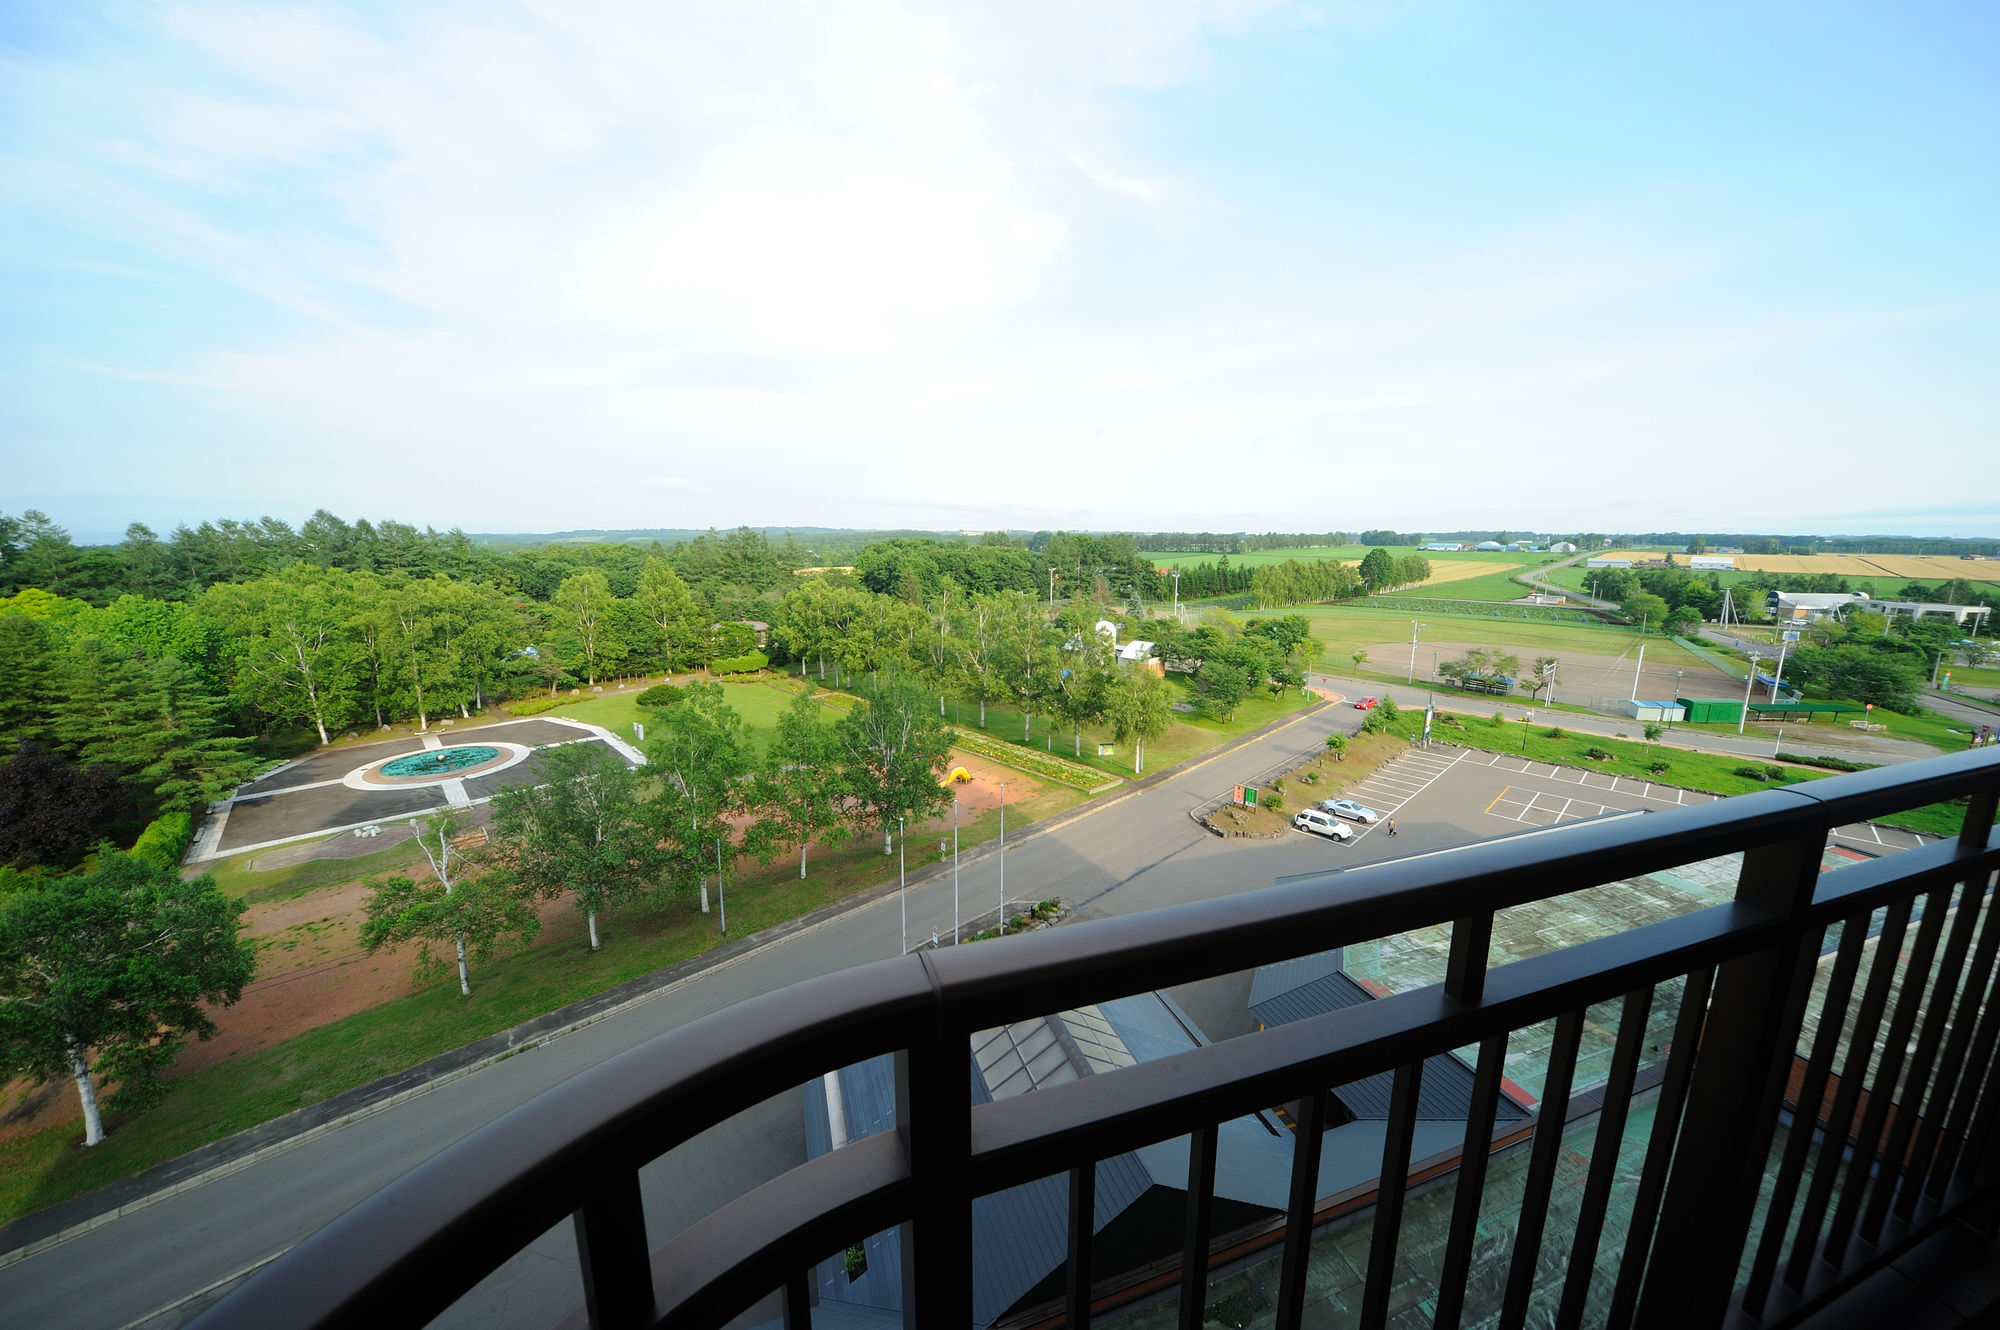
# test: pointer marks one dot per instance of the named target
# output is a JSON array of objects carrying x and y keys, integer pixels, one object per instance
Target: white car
[
  {"x": 1350, "y": 810},
  {"x": 1311, "y": 819}
]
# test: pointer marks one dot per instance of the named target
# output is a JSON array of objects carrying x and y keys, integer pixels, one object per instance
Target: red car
[{"x": 1365, "y": 703}]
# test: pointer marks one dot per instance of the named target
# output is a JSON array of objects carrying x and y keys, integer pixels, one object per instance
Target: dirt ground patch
[{"x": 1584, "y": 676}]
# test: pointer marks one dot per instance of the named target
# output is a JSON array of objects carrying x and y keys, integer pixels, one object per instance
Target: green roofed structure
[{"x": 1717, "y": 710}]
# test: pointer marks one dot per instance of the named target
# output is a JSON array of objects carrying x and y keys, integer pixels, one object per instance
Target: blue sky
[{"x": 1151, "y": 265}]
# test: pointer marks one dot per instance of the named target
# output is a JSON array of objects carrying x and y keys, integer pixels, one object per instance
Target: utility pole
[
  {"x": 954, "y": 871},
  {"x": 721, "y": 897},
  {"x": 1747, "y": 682},
  {"x": 902, "y": 885},
  {"x": 1935, "y": 668},
  {"x": 1415, "y": 628},
  {"x": 1002, "y": 924},
  {"x": 1779, "y": 677},
  {"x": 1635, "y": 671},
  {"x": 1177, "y": 591}
]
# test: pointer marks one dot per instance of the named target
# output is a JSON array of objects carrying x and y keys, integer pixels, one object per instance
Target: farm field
[
  {"x": 1345, "y": 628},
  {"x": 1902, "y": 567}
]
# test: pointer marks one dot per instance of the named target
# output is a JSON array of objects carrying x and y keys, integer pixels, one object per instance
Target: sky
[{"x": 1158, "y": 265}]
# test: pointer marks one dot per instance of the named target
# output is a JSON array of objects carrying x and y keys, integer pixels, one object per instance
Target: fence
[{"x": 1908, "y": 1102}]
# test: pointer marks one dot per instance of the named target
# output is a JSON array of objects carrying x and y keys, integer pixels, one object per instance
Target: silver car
[{"x": 1351, "y": 810}]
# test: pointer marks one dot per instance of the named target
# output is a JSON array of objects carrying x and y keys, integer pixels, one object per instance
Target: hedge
[
  {"x": 1046, "y": 765},
  {"x": 535, "y": 706},
  {"x": 749, "y": 664},
  {"x": 165, "y": 840}
]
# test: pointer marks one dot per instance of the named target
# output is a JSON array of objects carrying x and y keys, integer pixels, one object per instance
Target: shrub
[
  {"x": 1751, "y": 773},
  {"x": 1498, "y": 719},
  {"x": 165, "y": 840},
  {"x": 1273, "y": 800},
  {"x": 855, "y": 1261},
  {"x": 1553, "y": 732},
  {"x": 748, "y": 664},
  {"x": 1657, "y": 769},
  {"x": 533, "y": 706},
  {"x": 1595, "y": 753},
  {"x": 659, "y": 695},
  {"x": 1829, "y": 763},
  {"x": 1776, "y": 773}
]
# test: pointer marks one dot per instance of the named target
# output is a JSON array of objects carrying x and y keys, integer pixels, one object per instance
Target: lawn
[
  {"x": 49, "y": 1166},
  {"x": 1189, "y": 736},
  {"x": 758, "y": 701},
  {"x": 236, "y": 878}
]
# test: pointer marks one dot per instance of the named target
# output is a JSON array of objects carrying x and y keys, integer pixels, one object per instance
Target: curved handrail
[{"x": 471, "y": 1207}]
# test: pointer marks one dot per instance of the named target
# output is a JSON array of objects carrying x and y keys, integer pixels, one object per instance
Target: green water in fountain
[{"x": 440, "y": 762}]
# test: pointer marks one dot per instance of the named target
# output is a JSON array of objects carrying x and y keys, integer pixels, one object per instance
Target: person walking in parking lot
[{"x": 1392, "y": 826}]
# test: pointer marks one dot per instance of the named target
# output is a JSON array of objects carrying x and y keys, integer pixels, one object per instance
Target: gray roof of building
[
  {"x": 1282, "y": 977},
  {"x": 1020, "y": 1234},
  {"x": 1445, "y": 1093}
]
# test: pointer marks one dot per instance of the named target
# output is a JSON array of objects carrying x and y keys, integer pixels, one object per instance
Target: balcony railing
[{"x": 1813, "y": 1215}]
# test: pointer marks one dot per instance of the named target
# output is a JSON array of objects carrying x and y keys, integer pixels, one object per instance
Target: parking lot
[{"x": 1445, "y": 796}]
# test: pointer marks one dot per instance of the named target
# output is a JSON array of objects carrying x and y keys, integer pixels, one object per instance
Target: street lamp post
[
  {"x": 1177, "y": 592},
  {"x": 721, "y": 896},
  {"x": 902, "y": 885},
  {"x": 1415, "y": 628},
  {"x": 954, "y": 871},
  {"x": 1002, "y": 923},
  {"x": 1747, "y": 683},
  {"x": 1527, "y": 719},
  {"x": 1677, "y": 698}
]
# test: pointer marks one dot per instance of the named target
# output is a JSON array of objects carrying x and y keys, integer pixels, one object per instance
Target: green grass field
[
  {"x": 759, "y": 702},
  {"x": 1190, "y": 736},
  {"x": 52, "y": 1165},
  {"x": 1491, "y": 587},
  {"x": 236, "y": 878},
  {"x": 1345, "y": 553}
]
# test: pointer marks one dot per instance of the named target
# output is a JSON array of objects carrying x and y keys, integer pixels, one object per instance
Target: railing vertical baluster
[
  {"x": 1733, "y": 1098},
  {"x": 1860, "y": 1049},
  {"x": 1465, "y": 964},
  {"x": 1082, "y": 1228},
  {"x": 1958, "y": 1081},
  {"x": 1604, "y": 1157},
  {"x": 1660, "y": 1148},
  {"x": 1551, "y": 1118},
  {"x": 1307, "y": 1132},
  {"x": 934, "y": 1115},
  {"x": 613, "y": 1255},
  {"x": 1980, "y": 809},
  {"x": 1965, "y": 1134},
  {"x": 1470, "y": 1183},
  {"x": 1200, "y": 1215},
  {"x": 1812, "y": 1094},
  {"x": 798, "y": 1302},
  {"x": 1935, "y": 1007},
  {"x": 1895, "y": 1050},
  {"x": 1394, "y": 1182}
]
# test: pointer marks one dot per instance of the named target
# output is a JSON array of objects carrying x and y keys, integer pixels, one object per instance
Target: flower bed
[{"x": 1045, "y": 765}]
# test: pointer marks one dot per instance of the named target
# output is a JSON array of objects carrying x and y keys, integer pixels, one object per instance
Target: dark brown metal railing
[{"x": 1923, "y": 1151}]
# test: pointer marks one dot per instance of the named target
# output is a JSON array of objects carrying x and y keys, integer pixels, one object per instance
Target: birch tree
[
  {"x": 471, "y": 912},
  {"x": 670, "y": 610},
  {"x": 103, "y": 974},
  {"x": 584, "y": 602},
  {"x": 798, "y": 787},
  {"x": 892, "y": 753},
  {"x": 579, "y": 832}
]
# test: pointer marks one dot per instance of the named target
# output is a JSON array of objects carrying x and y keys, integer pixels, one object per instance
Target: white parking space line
[{"x": 1388, "y": 807}]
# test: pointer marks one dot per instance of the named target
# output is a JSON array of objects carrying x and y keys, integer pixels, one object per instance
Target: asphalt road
[{"x": 1133, "y": 854}]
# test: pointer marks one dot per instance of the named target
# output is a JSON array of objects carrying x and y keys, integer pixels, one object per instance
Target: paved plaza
[{"x": 354, "y": 789}]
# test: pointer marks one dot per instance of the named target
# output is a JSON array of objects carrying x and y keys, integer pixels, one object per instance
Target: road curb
[{"x": 38, "y": 1232}]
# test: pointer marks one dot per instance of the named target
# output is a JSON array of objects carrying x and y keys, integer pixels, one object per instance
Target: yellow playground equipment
[{"x": 958, "y": 776}]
